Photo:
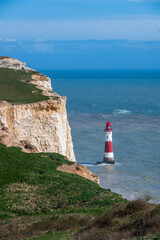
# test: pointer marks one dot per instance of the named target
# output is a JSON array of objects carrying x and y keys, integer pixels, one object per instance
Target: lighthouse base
[{"x": 108, "y": 160}]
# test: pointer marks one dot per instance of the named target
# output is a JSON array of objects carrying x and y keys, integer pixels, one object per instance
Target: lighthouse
[{"x": 108, "y": 151}]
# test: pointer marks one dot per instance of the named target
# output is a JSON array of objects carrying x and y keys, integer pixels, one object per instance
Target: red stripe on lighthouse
[{"x": 108, "y": 147}]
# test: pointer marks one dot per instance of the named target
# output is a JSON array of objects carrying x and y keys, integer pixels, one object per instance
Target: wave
[
  {"x": 93, "y": 105},
  {"x": 89, "y": 164},
  {"x": 121, "y": 111},
  {"x": 102, "y": 164}
]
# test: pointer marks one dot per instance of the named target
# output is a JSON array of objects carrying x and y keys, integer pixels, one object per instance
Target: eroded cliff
[
  {"x": 79, "y": 170},
  {"x": 33, "y": 117},
  {"x": 43, "y": 125}
]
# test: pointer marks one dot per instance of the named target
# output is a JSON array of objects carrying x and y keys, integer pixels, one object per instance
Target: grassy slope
[
  {"x": 125, "y": 221},
  {"x": 55, "y": 236},
  {"x": 13, "y": 90},
  {"x": 31, "y": 185},
  {"x": 38, "y": 200},
  {"x": 69, "y": 236}
]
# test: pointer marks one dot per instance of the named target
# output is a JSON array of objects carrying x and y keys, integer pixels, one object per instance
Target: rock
[
  {"x": 29, "y": 146},
  {"x": 12, "y": 63},
  {"x": 9, "y": 140},
  {"x": 5, "y": 129},
  {"x": 79, "y": 170},
  {"x": 42, "y": 81}
]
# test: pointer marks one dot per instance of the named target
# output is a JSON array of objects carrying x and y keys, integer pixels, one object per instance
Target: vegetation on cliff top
[
  {"x": 13, "y": 90},
  {"x": 38, "y": 200},
  {"x": 30, "y": 184}
]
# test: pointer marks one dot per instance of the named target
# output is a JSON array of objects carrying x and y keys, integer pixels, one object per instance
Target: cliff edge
[{"x": 32, "y": 116}]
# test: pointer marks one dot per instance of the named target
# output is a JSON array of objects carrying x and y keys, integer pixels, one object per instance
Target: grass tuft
[{"x": 129, "y": 220}]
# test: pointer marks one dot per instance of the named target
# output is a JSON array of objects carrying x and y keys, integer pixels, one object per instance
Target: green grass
[
  {"x": 31, "y": 189},
  {"x": 39, "y": 201},
  {"x": 13, "y": 90},
  {"x": 125, "y": 221},
  {"x": 69, "y": 236},
  {"x": 30, "y": 184}
]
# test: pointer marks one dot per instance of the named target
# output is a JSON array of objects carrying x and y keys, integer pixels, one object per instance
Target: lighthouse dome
[
  {"x": 108, "y": 127},
  {"x": 108, "y": 124}
]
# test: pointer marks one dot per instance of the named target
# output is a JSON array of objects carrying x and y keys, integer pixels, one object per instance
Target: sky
[{"x": 81, "y": 34}]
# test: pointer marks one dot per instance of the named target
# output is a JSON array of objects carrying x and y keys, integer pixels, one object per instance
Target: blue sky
[{"x": 94, "y": 34}]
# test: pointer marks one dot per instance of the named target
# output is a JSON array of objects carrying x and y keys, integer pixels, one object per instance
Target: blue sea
[{"x": 130, "y": 100}]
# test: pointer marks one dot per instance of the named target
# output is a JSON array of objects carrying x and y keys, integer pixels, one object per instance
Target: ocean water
[{"x": 130, "y": 100}]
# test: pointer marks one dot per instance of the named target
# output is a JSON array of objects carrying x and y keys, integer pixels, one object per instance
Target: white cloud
[
  {"x": 44, "y": 48},
  {"x": 7, "y": 40},
  {"x": 40, "y": 40}
]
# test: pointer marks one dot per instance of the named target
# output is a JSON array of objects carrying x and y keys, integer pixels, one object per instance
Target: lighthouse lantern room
[{"x": 108, "y": 151}]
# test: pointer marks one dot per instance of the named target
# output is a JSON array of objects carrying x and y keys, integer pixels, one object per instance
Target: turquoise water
[{"x": 130, "y": 100}]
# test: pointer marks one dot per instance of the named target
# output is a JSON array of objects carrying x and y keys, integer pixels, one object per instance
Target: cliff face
[{"x": 43, "y": 125}]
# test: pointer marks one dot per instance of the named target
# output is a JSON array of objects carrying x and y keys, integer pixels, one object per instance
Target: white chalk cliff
[{"x": 42, "y": 125}]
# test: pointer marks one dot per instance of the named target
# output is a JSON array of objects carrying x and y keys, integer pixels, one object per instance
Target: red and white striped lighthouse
[{"x": 108, "y": 152}]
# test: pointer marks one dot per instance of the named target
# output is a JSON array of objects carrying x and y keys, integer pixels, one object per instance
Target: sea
[{"x": 130, "y": 100}]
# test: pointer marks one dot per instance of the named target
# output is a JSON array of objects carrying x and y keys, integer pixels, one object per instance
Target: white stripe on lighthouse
[
  {"x": 108, "y": 136},
  {"x": 108, "y": 155}
]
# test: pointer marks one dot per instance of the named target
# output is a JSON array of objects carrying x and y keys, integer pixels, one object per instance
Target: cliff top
[
  {"x": 10, "y": 62},
  {"x": 16, "y": 91},
  {"x": 20, "y": 84},
  {"x": 3, "y": 57}
]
